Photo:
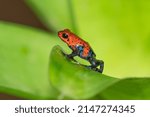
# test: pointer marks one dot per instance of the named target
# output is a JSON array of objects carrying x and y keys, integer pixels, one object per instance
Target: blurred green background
[{"x": 117, "y": 30}]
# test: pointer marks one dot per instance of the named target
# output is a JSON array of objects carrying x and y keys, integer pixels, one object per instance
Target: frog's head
[{"x": 65, "y": 35}]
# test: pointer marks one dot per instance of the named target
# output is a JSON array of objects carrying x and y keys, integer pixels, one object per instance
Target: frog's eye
[{"x": 64, "y": 35}]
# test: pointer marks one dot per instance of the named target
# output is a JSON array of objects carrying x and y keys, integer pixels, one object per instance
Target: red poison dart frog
[{"x": 80, "y": 48}]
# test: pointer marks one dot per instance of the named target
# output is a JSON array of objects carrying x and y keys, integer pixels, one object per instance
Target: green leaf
[
  {"x": 78, "y": 82},
  {"x": 128, "y": 89},
  {"x": 24, "y": 58},
  {"x": 55, "y": 14},
  {"x": 74, "y": 81}
]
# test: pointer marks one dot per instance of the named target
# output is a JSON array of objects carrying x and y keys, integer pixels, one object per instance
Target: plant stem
[{"x": 72, "y": 16}]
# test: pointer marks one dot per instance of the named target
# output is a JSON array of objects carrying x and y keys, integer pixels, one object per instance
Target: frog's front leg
[
  {"x": 95, "y": 63},
  {"x": 72, "y": 55}
]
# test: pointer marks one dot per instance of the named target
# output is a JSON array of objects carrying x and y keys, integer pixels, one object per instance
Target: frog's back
[{"x": 85, "y": 49}]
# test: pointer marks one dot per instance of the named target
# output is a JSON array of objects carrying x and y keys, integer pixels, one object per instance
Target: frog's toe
[{"x": 100, "y": 70}]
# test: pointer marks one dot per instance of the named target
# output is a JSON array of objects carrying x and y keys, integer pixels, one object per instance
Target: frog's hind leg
[
  {"x": 95, "y": 63},
  {"x": 101, "y": 63}
]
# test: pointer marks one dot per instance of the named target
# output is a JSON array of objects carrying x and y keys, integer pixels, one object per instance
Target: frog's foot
[
  {"x": 93, "y": 68},
  {"x": 101, "y": 63}
]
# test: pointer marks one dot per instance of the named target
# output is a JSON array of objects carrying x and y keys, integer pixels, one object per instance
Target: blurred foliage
[
  {"x": 127, "y": 89},
  {"x": 55, "y": 14},
  {"x": 117, "y": 30},
  {"x": 24, "y": 61}
]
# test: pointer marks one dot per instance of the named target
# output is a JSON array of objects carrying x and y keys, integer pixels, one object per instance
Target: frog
[{"x": 80, "y": 48}]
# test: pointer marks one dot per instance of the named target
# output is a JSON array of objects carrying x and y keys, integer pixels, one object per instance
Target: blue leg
[{"x": 95, "y": 63}]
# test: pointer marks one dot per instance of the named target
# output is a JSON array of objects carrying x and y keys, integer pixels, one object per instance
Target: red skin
[{"x": 73, "y": 41}]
